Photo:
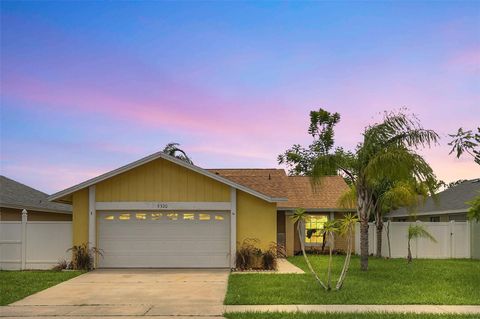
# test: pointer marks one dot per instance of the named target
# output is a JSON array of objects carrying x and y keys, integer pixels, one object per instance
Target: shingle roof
[
  {"x": 269, "y": 181},
  {"x": 297, "y": 189},
  {"x": 450, "y": 200},
  {"x": 17, "y": 195},
  {"x": 325, "y": 195}
]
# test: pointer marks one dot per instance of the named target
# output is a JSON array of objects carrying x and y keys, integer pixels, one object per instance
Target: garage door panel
[{"x": 192, "y": 240}]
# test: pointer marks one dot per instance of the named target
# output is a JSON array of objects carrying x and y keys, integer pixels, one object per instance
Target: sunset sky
[{"x": 87, "y": 87}]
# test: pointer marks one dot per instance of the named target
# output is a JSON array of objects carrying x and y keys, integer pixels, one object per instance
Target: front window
[{"x": 313, "y": 229}]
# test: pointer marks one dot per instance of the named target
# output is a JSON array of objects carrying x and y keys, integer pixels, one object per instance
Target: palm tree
[
  {"x": 414, "y": 232},
  {"x": 172, "y": 149},
  {"x": 329, "y": 230},
  {"x": 299, "y": 217},
  {"x": 390, "y": 195},
  {"x": 387, "y": 152},
  {"x": 347, "y": 226}
]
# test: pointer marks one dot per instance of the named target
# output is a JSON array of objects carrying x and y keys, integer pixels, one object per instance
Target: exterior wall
[
  {"x": 80, "y": 217},
  {"x": 289, "y": 234},
  {"x": 256, "y": 218},
  {"x": 161, "y": 180},
  {"x": 13, "y": 214}
]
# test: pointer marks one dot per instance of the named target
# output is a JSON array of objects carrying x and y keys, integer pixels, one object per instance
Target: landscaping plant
[
  {"x": 82, "y": 256},
  {"x": 414, "y": 232},
  {"x": 329, "y": 230},
  {"x": 299, "y": 217},
  {"x": 347, "y": 227}
]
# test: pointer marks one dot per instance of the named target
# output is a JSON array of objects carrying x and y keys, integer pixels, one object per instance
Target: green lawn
[
  {"x": 313, "y": 315},
  {"x": 447, "y": 282},
  {"x": 16, "y": 285}
]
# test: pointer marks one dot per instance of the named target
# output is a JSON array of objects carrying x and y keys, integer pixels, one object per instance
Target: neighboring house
[
  {"x": 15, "y": 197},
  {"x": 450, "y": 204},
  {"x": 162, "y": 212}
]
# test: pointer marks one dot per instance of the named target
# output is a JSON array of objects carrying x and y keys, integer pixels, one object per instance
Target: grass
[
  {"x": 437, "y": 282},
  {"x": 16, "y": 285},
  {"x": 313, "y": 315}
]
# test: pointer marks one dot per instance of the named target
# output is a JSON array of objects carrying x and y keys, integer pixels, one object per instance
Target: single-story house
[
  {"x": 160, "y": 211},
  {"x": 450, "y": 204},
  {"x": 15, "y": 197}
]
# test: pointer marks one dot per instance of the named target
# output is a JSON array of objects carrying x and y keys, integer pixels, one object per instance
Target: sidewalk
[{"x": 437, "y": 309}]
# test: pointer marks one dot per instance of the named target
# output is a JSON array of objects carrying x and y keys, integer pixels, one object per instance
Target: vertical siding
[
  {"x": 256, "y": 218},
  {"x": 161, "y": 180},
  {"x": 80, "y": 217}
]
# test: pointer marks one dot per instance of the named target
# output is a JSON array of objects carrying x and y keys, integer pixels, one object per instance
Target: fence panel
[
  {"x": 43, "y": 244},
  {"x": 453, "y": 240}
]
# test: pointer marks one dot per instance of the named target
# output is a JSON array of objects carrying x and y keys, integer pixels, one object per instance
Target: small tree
[
  {"x": 329, "y": 230},
  {"x": 347, "y": 226},
  {"x": 299, "y": 217},
  {"x": 414, "y": 232},
  {"x": 474, "y": 210}
]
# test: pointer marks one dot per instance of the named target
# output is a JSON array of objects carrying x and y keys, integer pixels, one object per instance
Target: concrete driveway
[{"x": 130, "y": 292}]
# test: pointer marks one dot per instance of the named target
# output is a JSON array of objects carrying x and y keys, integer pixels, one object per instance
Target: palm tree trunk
[
  {"x": 302, "y": 245},
  {"x": 388, "y": 240},
  {"x": 363, "y": 216},
  {"x": 409, "y": 256},
  {"x": 346, "y": 263},
  {"x": 379, "y": 235},
  {"x": 329, "y": 275}
]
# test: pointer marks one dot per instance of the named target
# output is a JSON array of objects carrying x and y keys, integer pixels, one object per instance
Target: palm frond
[
  {"x": 348, "y": 199},
  {"x": 419, "y": 231}
]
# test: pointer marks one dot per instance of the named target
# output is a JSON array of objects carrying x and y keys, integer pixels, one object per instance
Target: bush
[
  {"x": 270, "y": 258},
  {"x": 250, "y": 257},
  {"x": 61, "y": 265},
  {"x": 82, "y": 257}
]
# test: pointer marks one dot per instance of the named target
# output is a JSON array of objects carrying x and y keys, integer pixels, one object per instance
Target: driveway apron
[{"x": 130, "y": 292}]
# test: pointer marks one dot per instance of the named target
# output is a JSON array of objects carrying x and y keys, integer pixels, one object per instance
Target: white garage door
[{"x": 164, "y": 239}]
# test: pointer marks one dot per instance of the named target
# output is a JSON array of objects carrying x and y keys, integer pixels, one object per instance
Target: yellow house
[{"x": 160, "y": 211}]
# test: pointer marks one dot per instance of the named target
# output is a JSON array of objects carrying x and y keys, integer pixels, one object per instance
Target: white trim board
[
  {"x": 57, "y": 196},
  {"x": 224, "y": 206}
]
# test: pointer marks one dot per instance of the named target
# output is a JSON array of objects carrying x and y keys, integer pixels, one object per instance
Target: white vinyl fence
[
  {"x": 453, "y": 240},
  {"x": 33, "y": 245}
]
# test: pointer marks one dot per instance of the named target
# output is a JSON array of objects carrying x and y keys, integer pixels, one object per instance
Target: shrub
[
  {"x": 270, "y": 258},
  {"x": 61, "y": 265},
  {"x": 82, "y": 257},
  {"x": 249, "y": 256}
]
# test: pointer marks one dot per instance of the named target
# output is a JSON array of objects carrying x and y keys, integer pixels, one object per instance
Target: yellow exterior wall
[
  {"x": 289, "y": 235},
  {"x": 257, "y": 219},
  {"x": 80, "y": 217},
  {"x": 163, "y": 181}
]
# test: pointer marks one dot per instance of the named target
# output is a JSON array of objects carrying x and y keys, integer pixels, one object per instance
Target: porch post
[
  {"x": 233, "y": 227},
  {"x": 289, "y": 234},
  {"x": 92, "y": 238}
]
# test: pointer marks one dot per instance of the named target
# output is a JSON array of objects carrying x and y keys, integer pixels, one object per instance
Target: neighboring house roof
[
  {"x": 449, "y": 201},
  {"x": 17, "y": 195},
  {"x": 298, "y": 189},
  {"x": 63, "y": 195}
]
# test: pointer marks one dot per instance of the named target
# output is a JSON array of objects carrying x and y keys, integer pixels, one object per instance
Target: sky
[{"x": 87, "y": 87}]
